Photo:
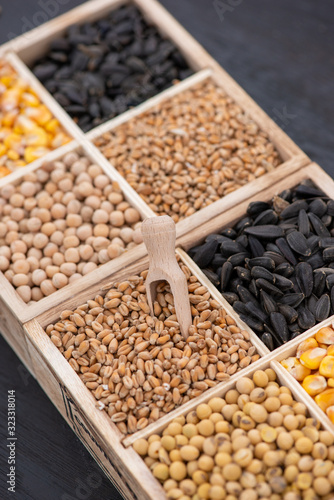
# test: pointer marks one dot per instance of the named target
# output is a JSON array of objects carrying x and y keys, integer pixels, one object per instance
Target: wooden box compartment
[
  {"x": 76, "y": 402},
  {"x": 14, "y": 311},
  {"x": 231, "y": 217},
  {"x": 29, "y": 49},
  {"x": 66, "y": 123},
  {"x": 289, "y": 350},
  {"x": 282, "y": 377}
]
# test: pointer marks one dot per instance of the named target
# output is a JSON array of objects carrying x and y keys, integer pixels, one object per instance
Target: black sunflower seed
[
  {"x": 268, "y": 304},
  {"x": 280, "y": 325},
  {"x": 217, "y": 261},
  {"x": 318, "y": 226},
  {"x": 230, "y": 297},
  {"x": 267, "y": 232},
  {"x": 328, "y": 254},
  {"x": 294, "y": 208},
  {"x": 271, "y": 247},
  {"x": 245, "y": 295},
  {"x": 286, "y": 251},
  {"x": 238, "y": 259},
  {"x": 298, "y": 243},
  {"x": 326, "y": 220},
  {"x": 292, "y": 299},
  {"x": 294, "y": 328},
  {"x": 316, "y": 260},
  {"x": 257, "y": 207},
  {"x": 289, "y": 313},
  {"x": 319, "y": 282},
  {"x": 318, "y": 207},
  {"x": 252, "y": 322},
  {"x": 268, "y": 341},
  {"x": 261, "y": 272},
  {"x": 330, "y": 281},
  {"x": 308, "y": 191},
  {"x": 262, "y": 262},
  {"x": 313, "y": 242},
  {"x": 330, "y": 207},
  {"x": 304, "y": 275},
  {"x": 243, "y": 273},
  {"x": 242, "y": 224},
  {"x": 230, "y": 247},
  {"x": 216, "y": 237},
  {"x": 284, "y": 269},
  {"x": 213, "y": 277},
  {"x": 256, "y": 312},
  {"x": 205, "y": 253},
  {"x": 304, "y": 223},
  {"x": 225, "y": 275},
  {"x": 311, "y": 302},
  {"x": 266, "y": 217},
  {"x": 242, "y": 240},
  {"x": 229, "y": 233},
  {"x": 253, "y": 288},
  {"x": 263, "y": 284},
  {"x": 256, "y": 247},
  {"x": 322, "y": 308},
  {"x": 332, "y": 298},
  {"x": 282, "y": 283},
  {"x": 240, "y": 307},
  {"x": 276, "y": 257},
  {"x": 305, "y": 318}
]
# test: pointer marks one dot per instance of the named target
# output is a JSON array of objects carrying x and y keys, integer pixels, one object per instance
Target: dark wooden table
[{"x": 282, "y": 54}]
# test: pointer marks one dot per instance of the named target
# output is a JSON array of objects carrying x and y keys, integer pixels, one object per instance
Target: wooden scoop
[{"x": 159, "y": 236}]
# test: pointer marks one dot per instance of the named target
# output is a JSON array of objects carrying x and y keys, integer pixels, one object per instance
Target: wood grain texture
[{"x": 282, "y": 56}]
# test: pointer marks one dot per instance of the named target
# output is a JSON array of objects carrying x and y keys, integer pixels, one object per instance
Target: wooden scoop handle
[{"x": 159, "y": 237}]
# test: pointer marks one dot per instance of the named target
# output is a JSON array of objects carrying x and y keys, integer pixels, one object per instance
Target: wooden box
[
  {"x": 23, "y": 326},
  {"x": 29, "y": 47}
]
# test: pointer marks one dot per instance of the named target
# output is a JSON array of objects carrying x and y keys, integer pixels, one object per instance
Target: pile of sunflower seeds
[
  {"x": 100, "y": 69},
  {"x": 276, "y": 265}
]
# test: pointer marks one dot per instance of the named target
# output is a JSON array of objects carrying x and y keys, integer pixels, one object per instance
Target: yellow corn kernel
[
  {"x": 9, "y": 118},
  {"x": 304, "y": 346},
  {"x": 4, "y": 171},
  {"x": 330, "y": 382},
  {"x": 10, "y": 100},
  {"x": 31, "y": 153},
  {"x": 330, "y": 413},
  {"x": 325, "y": 399},
  {"x": 326, "y": 367},
  {"x": 59, "y": 140},
  {"x": 313, "y": 357},
  {"x": 330, "y": 350},
  {"x": 12, "y": 155},
  {"x": 12, "y": 141},
  {"x": 28, "y": 99},
  {"x": 52, "y": 125},
  {"x": 314, "y": 384},
  {"x": 24, "y": 124},
  {"x": 20, "y": 163},
  {"x": 3, "y": 149},
  {"x": 325, "y": 335},
  {"x": 39, "y": 114},
  {"x": 295, "y": 368},
  {"x": 37, "y": 137},
  {"x": 4, "y": 132}
]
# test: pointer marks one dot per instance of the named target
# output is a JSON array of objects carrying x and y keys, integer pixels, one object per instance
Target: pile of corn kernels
[
  {"x": 313, "y": 367},
  {"x": 28, "y": 130}
]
